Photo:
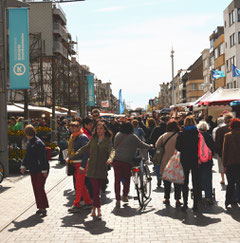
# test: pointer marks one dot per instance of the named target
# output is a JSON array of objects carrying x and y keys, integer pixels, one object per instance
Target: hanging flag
[
  {"x": 121, "y": 106},
  {"x": 91, "y": 96},
  {"x": 18, "y": 48},
  {"x": 235, "y": 71},
  {"x": 217, "y": 74}
]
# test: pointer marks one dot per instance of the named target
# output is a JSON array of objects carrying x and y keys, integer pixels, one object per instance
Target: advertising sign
[
  {"x": 18, "y": 48},
  {"x": 91, "y": 99}
]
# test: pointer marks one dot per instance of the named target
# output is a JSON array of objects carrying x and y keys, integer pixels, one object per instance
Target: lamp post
[{"x": 173, "y": 94}]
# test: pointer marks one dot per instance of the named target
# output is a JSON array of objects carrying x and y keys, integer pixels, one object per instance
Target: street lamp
[{"x": 172, "y": 57}]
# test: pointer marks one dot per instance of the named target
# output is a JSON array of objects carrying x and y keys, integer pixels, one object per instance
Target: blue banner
[
  {"x": 18, "y": 48},
  {"x": 91, "y": 98},
  {"x": 217, "y": 74},
  {"x": 121, "y": 105},
  {"x": 235, "y": 71}
]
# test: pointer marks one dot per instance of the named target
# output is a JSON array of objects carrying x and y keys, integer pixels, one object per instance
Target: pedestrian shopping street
[{"x": 157, "y": 223}]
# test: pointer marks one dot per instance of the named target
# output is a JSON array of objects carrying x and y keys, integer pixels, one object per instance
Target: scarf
[
  {"x": 192, "y": 127},
  {"x": 71, "y": 142}
]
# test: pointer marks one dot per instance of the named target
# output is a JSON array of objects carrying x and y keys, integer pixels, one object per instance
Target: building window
[
  {"x": 201, "y": 86},
  {"x": 221, "y": 49},
  {"x": 194, "y": 86},
  {"x": 227, "y": 66},
  {"x": 231, "y": 18},
  {"x": 232, "y": 40},
  {"x": 238, "y": 14},
  {"x": 235, "y": 84},
  {"x": 216, "y": 53},
  {"x": 228, "y": 85},
  {"x": 239, "y": 37}
]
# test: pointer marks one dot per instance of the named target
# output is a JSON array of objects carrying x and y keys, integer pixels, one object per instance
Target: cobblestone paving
[{"x": 157, "y": 223}]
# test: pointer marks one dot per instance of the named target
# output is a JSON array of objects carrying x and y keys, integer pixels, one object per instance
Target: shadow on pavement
[
  {"x": 4, "y": 188},
  {"x": 234, "y": 212},
  {"x": 188, "y": 217},
  {"x": 58, "y": 166},
  {"x": 105, "y": 199},
  {"x": 75, "y": 219},
  {"x": 159, "y": 189},
  {"x": 126, "y": 211},
  {"x": 70, "y": 195},
  {"x": 96, "y": 227},
  {"x": 31, "y": 221}
]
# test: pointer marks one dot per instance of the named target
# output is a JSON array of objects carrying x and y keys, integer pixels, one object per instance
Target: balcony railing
[{"x": 59, "y": 29}]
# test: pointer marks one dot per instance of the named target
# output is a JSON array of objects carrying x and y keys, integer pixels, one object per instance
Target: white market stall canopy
[
  {"x": 14, "y": 109},
  {"x": 38, "y": 108},
  {"x": 221, "y": 97},
  {"x": 65, "y": 110}
]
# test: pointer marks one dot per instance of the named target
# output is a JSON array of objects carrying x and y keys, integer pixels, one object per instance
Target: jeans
[
  {"x": 195, "y": 182},
  {"x": 206, "y": 179},
  {"x": 96, "y": 185},
  {"x": 121, "y": 170},
  {"x": 38, "y": 183},
  {"x": 167, "y": 190},
  {"x": 233, "y": 178}
]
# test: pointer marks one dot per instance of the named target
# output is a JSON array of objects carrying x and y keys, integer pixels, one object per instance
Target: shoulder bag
[{"x": 157, "y": 158}]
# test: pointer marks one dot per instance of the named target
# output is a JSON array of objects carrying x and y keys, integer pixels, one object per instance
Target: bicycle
[{"x": 142, "y": 179}]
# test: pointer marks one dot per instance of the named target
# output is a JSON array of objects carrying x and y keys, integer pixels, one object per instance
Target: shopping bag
[
  {"x": 173, "y": 171},
  {"x": 157, "y": 157}
]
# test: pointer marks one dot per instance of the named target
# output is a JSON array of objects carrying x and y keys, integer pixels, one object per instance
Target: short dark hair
[
  {"x": 172, "y": 126},
  {"x": 74, "y": 124},
  {"x": 87, "y": 120},
  {"x": 30, "y": 131},
  {"x": 126, "y": 128},
  {"x": 235, "y": 124}
]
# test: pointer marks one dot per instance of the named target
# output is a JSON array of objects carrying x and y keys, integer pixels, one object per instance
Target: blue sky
[{"x": 128, "y": 42}]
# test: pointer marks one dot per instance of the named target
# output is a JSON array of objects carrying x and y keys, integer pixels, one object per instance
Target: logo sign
[
  {"x": 91, "y": 98},
  {"x": 18, "y": 48}
]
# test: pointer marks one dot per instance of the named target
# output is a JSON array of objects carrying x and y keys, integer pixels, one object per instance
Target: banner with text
[
  {"x": 18, "y": 48},
  {"x": 91, "y": 99}
]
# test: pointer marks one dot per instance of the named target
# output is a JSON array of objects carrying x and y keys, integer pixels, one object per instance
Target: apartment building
[
  {"x": 232, "y": 42},
  {"x": 206, "y": 70},
  {"x": 195, "y": 83},
  {"x": 217, "y": 58}
]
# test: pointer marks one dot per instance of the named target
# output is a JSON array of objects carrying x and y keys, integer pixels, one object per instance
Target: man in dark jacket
[{"x": 36, "y": 161}]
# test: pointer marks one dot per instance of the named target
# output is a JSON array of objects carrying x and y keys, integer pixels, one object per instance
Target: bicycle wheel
[
  {"x": 147, "y": 184},
  {"x": 139, "y": 189},
  {"x": 2, "y": 173}
]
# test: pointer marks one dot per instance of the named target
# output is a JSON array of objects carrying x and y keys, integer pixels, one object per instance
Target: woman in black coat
[{"x": 187, "y": 145}]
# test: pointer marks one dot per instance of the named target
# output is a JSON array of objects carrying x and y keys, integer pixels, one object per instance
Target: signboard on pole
[
  {"x": 91, "y": 98},
  {"x": 18, "y": 48}
]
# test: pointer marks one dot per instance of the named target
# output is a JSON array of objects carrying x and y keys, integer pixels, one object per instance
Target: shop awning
[
  {"x": 221, "y": 97},
  {"x": 14, "y": 109}
]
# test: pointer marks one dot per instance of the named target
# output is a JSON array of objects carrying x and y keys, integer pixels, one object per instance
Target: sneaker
[
  {"x": 74, "y": 209},
  {"x": 41, "y": 212},
  {"x": 209, "y": 201},
  {"x": 125, "y": 198},
  {"x": 118, "y": 204},
  {"x": 178, "y": 204},
  {"x": 166, "y": 202}
]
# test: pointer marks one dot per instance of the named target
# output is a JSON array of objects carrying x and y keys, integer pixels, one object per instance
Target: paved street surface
[{"x": 158, "y": 223}]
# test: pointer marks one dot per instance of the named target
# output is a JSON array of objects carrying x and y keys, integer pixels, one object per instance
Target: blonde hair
[
  {"x": 189, "y": 121},
  {"x": 30, "y": 131}
]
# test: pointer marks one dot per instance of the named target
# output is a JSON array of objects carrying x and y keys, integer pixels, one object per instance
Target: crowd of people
[{"x": 94, "y": 145}]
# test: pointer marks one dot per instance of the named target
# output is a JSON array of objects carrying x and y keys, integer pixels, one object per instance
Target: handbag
[
  {"x": 157, "y": 157},
  {"x": 173, "y": 171},
  {"x": 70, "y": 169}
]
